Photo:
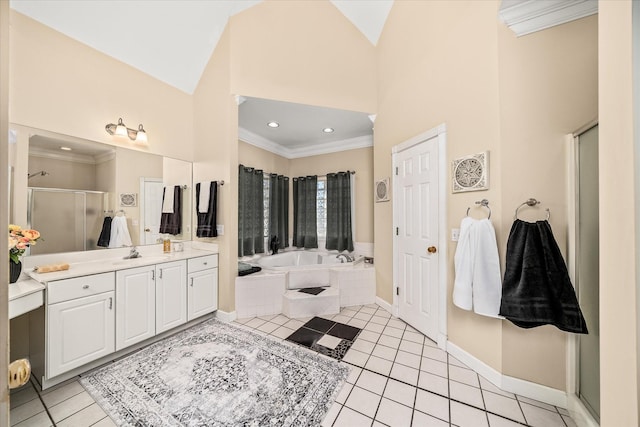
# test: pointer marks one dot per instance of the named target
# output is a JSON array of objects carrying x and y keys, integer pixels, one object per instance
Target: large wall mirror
[{"x": 66, "y": 187}]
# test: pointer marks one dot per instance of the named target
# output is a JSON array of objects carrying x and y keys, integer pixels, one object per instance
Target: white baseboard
[
  {"x": 382, "y": 303},
  {"x": 225, "y": 316},
  {"x": 579, "y": 413},
  {"x": 517, "y": 386}
]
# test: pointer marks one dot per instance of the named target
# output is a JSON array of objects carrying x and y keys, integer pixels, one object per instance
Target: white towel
[
  {"x": 167, "y": 203},
  {"x": 477, "y": 285},
  {"x": 119, "y": 232},
  {"x": 205, "y": 191}
]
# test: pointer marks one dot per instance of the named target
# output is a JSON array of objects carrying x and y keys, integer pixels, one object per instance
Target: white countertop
[
  {"x": 23, "y": 287},
  {"x": 104, "y": 265}
]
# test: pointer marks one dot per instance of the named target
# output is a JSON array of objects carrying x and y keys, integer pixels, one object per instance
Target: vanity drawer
[
  {"x": 202, "y": 263},
  {"x": 68, "y": 289}
]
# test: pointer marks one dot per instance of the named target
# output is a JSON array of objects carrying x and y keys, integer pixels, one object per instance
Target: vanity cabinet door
[
  {"x": 79, "y": 331},
  {"x": 171, "y": 295},
  {"x": 135, "y": 305},
  {"x": 202, "y": 293}
]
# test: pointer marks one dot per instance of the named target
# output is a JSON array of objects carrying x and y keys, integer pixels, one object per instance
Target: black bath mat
[{"x": 312, "y": 291}]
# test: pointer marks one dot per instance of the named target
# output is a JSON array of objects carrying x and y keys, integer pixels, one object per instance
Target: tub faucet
[
  {"x": 347, "y": 258},
  {"x": 133, "y": 254}
]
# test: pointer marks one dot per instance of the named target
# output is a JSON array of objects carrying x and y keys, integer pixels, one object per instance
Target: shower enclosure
[{"x": 68, "y": 220}]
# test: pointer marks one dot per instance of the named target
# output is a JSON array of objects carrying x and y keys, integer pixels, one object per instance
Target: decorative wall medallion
[
  {"x": 128, "y": 199},
  {"x": 471, "y": 173},
  {"x": 382, "y": 190}
]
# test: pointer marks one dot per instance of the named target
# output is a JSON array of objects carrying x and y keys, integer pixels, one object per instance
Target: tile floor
[{"x": 398, "y": 378}]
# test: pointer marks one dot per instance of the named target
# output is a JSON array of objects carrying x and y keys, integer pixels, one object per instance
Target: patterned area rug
[{"x": 217, "y": 374}]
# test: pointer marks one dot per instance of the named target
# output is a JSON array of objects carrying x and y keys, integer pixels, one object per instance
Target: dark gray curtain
[
  {"x": 279, "y": 209},
  {"x": 305, "y": 232},
  {"x": 250, "y": 211},
  {"x": 339, "y": 211}
]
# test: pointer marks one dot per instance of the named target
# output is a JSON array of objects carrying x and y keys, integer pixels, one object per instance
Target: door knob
[
  {"x": 147, "y": 230},
  {"x": 432, "y": 249}
]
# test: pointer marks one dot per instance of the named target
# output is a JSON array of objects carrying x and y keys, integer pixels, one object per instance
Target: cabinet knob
[
  {"x": 205, "y": 263},
  {"x": 85, "y": 286},
  {"x": 432, "y": 249}
]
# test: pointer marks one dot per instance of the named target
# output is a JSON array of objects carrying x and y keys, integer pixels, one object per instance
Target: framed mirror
[{"x": 69, "y": 189}]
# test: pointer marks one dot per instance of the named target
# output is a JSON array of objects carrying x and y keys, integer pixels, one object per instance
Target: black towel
[
  {"x": 171, "y": 223},
  {"x": 105, "y": 234},
  {"x": 207, "y": 221},
  {"x": 536, "y": 289}
]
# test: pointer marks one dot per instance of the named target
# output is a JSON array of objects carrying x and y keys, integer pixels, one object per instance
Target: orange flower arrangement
[{"x": 20, "y": 240}]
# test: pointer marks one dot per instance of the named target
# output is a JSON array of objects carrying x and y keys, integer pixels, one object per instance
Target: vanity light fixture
[
  {"x": 120, "y": 129},
  {"x": 327, "y": 130},
  {"x": 273, "y": 124}
]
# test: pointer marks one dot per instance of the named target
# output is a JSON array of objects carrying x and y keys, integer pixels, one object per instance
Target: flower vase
[{"x": 14, "y": 271}]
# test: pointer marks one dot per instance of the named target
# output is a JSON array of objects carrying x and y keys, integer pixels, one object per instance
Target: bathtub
[
  {"x": 301, "y": 259},
  {"x": 265, "y": 293}
]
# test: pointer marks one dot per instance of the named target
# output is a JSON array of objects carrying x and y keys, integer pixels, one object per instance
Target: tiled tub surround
[
  {"x": 105, "y": 306},
  {"x": 263, "y": 293}
]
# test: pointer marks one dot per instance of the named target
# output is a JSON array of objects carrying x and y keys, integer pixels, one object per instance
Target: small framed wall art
[
  {"x": 128, "y": 199},
  {"x": 470, "y": 173}
]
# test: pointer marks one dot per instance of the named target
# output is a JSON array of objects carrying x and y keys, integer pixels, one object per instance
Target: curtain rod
[{"x": 325, "y": 175}]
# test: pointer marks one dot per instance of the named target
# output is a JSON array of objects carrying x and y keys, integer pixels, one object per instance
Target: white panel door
[
  {"x": 152, "y": 206},
  {"x": 416, "y": 199},
  {"x": 136, "y": 305},
  {"x": 79, "y": 331},
  {"x": 202, "y": 297},
  {"x": 171, "y": 295}
]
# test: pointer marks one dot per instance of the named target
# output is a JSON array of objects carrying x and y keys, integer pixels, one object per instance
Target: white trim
[
  {"x": 526, "y": 17},
  {"x": 572, "y": 339},
  {"x": 579, "y": 414},
  {"x": 71, "y": 157},
  {"x": 383, "y": 304},
  {"x": 517, "y": 386},
  {"x": 226, "y": 316},
  {"x": 307, "y": 151},
  {"x": 439, "y": 132}
]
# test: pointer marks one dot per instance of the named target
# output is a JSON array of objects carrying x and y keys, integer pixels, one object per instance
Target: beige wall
[
  {"x": 432, "y": 72},
  {"x": 511, "y": 96},
  {"x": 252, "y": 156},
  {"x": 548, "y": 88},
  {"x": 305, "y": 52},
  {"x": 63, "y": 86},
  {"x": 62, "y": 174},
  {"x": 216, "y": 154},
  {"x": 618, "y": 219},
  {"x": 360, "y": 161}
]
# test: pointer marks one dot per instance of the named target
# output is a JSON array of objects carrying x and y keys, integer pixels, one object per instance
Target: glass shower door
[{"x": 59, "y": 216}]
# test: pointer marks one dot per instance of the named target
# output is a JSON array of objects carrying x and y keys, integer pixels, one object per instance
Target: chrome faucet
[
  {"x": 347, "y": 258},
  {"x": 133, "y": 254}
]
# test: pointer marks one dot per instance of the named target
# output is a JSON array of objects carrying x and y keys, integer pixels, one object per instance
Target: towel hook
[
  {"x": 483, "y": 202},
  {"x": 531, "y": 202}
]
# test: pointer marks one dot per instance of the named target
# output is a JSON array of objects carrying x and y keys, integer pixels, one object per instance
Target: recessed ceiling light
[
  {"x": 273, "y": 124},
  {"x": 327, "y": 130},
  {"x": 65, "y": 148}
]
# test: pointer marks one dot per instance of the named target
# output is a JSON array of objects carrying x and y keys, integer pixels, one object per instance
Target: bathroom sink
[{"x": 153, "y": 259}]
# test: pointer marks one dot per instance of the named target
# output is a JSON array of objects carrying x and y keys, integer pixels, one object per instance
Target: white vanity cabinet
[
  {"x": 171, "y": 295},
  {"x": 202, "y": 291},
  {"x": 80, "y": 321},
  {"x": 135, "y": 305}
]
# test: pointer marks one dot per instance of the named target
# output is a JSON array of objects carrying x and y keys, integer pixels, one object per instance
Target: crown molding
[
  {"x": 313, "y": 150},
  {"x": 526, "y": 17}
]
